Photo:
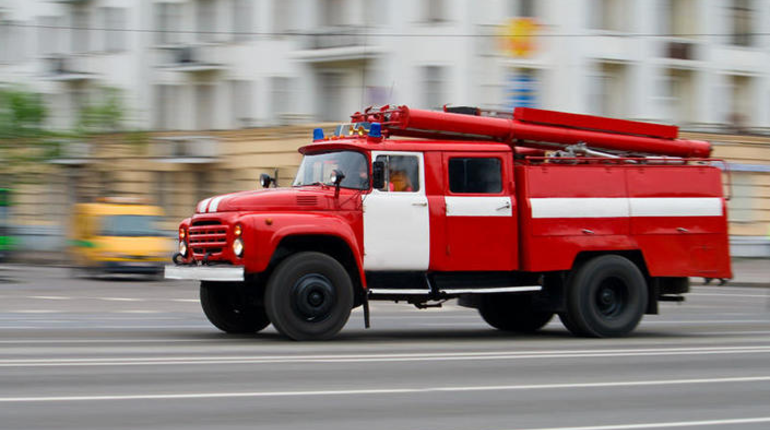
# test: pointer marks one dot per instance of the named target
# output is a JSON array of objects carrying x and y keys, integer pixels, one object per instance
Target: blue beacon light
[
  {"x": 375, "y": 130},
  {"x": 318, "y": 134}
]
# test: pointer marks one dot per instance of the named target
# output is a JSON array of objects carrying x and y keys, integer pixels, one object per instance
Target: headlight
[
  {"x": 238, "y": 247},
  {"x": 183, "y": 248}
]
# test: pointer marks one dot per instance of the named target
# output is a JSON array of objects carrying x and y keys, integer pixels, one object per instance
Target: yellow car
[{"x": 117, "y": 235}]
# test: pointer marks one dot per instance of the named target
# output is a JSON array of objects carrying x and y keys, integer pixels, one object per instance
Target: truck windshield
[
  {"x": 318, "y": 168},
  {"x": 130, "y": 225}
]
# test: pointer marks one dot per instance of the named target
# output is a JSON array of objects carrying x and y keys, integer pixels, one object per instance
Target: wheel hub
[
  {"x": 611, "y": 298},
  {"x": 313, "y": 297}
]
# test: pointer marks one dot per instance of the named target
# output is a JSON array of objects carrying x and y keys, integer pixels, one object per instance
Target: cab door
[
  {"x": 396, "y": 220},
  {"x": 480, "y": 209}
]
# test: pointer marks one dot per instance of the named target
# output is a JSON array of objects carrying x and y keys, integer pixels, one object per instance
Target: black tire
[
  {"x": 512, "y": 312},
  {"x": 229, "y": 311},
  {"x": 564, "y": 318},
  {"x": 606, "y": 297},
  {"x": 309, "y": 296}
]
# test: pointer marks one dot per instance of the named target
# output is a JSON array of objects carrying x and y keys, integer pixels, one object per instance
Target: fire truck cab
[{"x": 540, "y": 214}]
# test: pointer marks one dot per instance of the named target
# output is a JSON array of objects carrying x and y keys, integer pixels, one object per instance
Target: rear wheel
[
  {"x": 309, "y": 296},
  {"x": 606, "y": 297},
  {"x": 229, "y": 310},
  {"x": 510, "y": 312}
]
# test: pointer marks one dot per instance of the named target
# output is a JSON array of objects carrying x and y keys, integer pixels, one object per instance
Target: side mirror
[
  {"x": 265, "y": 180},
  {"x": 378, "y": 174},
  {"x": 337, "y": 177}
]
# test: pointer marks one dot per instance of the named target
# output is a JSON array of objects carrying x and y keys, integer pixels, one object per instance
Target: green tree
[{"x": 104, "y": 116}]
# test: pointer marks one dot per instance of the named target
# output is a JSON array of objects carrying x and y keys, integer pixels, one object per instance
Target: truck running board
[{"x": 452, "y": 291}]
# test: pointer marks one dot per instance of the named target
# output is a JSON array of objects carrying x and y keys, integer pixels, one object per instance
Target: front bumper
[{"x": 206, "y": 273}]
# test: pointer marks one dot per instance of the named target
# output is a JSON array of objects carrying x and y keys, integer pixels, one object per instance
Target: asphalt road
[{"x": 119, "y": 354}]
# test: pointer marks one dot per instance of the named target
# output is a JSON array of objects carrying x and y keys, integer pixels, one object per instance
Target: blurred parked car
[{"x": 118, "y": 235}]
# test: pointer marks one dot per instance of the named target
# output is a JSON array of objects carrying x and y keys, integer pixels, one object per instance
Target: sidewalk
[{"x": 747, "y": 272}]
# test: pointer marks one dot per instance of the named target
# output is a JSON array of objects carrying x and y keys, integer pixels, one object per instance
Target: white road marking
[
  {"x": 722, "y": 422},
  {"x": 49, "y": 297},
  {"x": 107, "y": 341},
  {"x": 765, "y": 296},
  {"x": 685, "y": 322},
  {"x": 407, "y": 390},
  {"x": 185, "y": 300},
  {"x": 120, "y": 299},
  {"x": 138, "y": 311},
  {"x": 369, "y": 358},
  {"x": 36, "y": 311}
]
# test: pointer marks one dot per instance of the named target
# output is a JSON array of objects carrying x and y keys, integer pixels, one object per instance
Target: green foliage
[
  {"x": 104, "y": 116},
  {"x": 21, "y": 113}
]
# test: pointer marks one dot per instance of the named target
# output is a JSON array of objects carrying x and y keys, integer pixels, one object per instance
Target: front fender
[{"x": 265, "y": 232}]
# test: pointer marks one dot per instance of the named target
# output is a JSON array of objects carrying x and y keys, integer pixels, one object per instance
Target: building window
[
  {"x": 115, "y": 21},
  {"x": 743, "y": 199},
  {"x": 203, "y": 184},
  {"x": 242, "y": 19},
  {"x": 168, "y": 23},
  {"x": 681, "y": 22},
  {"x": 434, "y": 11},
  {"x": 742, "y": 106},
  {"x": 333, "y": 13},
  {"x": 204, "y": 105},
  {"x": 608, "y": 90},
  {"x": 79, "y": 31},
  {"x": 47, "y": 35},
  {"x": 241, "y": 92},
  {"x": 282, "y": 98},
  {"x": 283, "y": 12},
  {"x": 166, "y": 106},
  {"x": 742, "y": 22},
  {"x": 12, "y": 42},
  {"x": 475, "y": 175},
  {"x": 522, "y": 8},
  {"x": 330, "y": 102},
  {"x": 608, "y": 15},
  {"x": 206, "y": 20},
  {"x": 434, "y": 78}
]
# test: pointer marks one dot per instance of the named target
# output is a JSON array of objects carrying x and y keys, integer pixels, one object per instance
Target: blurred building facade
[
  {"x": 209, "y": 80},
  {"x": 223, "y": 64}
]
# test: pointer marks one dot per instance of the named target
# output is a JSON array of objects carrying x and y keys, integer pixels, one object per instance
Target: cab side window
[
  {"x": 402, "y": 173},
  {"x": 475, "y": 175}
]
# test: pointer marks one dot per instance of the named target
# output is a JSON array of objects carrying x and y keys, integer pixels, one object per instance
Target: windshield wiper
[{"x": 313, "y": 184}]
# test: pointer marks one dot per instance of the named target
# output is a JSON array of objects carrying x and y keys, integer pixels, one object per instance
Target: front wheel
[
  {"x": 606, "y": 297},
  {"x": 229, "y": 310},
  {"x": 512, "y": 312},
  {"x": 309, "y": 296}
]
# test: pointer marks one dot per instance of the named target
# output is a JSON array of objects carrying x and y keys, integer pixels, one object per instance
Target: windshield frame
[{"x": 350, "y": 177}]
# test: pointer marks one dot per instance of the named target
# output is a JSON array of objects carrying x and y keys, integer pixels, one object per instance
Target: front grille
[{"x": 207, "y": 237}]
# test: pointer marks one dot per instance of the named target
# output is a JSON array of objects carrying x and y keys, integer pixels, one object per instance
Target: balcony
[
  {"x": 192, "y": 58},
  {"x": 337, "y": 44},
  {"x": 68, "y": 68},
  {"x": 186, "y": 149}
]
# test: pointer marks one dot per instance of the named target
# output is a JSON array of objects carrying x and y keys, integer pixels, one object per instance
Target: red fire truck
[{"x": 521, "y": 216}]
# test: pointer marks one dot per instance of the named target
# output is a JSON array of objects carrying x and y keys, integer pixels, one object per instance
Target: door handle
[
  {"x": 682, "y": 230},
  {"x": 587, "y": 231},
  {"x": 507, "y": 205},
  {"x": 423, "y": 204}
]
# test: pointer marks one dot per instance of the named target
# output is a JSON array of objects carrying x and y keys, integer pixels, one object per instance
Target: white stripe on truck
[{"x": 619, "y": 207}]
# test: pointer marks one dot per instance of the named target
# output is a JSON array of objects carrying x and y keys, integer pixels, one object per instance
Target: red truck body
[{"x": 485, "y": 218}]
